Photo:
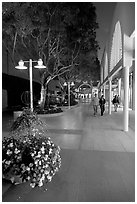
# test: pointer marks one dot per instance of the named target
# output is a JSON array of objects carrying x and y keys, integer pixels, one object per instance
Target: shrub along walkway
[{"x": 98, "y": 160}]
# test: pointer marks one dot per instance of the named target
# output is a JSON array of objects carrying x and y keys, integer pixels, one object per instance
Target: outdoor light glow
[
  {"x": 65, "y": 84},
  {"x": 72, "y": 83},
  {"x": 21, "y": 65},
  {"x": 69, "y": 84},
  {"x": 40, "y": 64}
]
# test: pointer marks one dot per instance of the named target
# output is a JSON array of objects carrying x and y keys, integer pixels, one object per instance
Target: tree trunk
[
  {"x": 42, "y": 97},
  {"x": 44, "y": 93}
]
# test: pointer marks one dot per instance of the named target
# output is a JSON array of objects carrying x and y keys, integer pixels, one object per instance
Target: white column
[
  {"x": 133, "y": 91},
  {"x": 31, "y": 87},
  {"x": 100, "y": 91},
  {"x": 119, "y": 87},
  {"x": 109, "y": 101},
  {"x": 126, "y": 98},
  {"x": 127, "y": 63},
  {"x": 104, "y": 91},
  {"x": 69, "y": 94}
]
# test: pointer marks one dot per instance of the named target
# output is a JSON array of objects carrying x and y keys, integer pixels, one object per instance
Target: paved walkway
[{"x": 98, "y": 160}]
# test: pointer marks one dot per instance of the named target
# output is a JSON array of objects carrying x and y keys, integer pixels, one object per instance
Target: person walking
[
  {"x": 115, "y": 102},
  {"x": 95, "y": 102},
  {"x": 102, "y": 102}
]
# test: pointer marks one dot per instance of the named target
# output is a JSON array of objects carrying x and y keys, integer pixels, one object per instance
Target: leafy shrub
[{"x": 28, "y": 154}]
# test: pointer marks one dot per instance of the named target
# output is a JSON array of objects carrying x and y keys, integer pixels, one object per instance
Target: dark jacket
[
  {"x": 115, "y": 100},
  {"x": 102, "y": 101}
]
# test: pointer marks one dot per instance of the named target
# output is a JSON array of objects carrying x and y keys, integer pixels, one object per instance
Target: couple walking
[
  {"x": 116, "y": 102},
  {"x": 96, "y": 101}
]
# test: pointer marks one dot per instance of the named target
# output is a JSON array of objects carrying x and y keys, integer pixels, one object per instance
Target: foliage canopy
[{"x": 61, "y": 33}]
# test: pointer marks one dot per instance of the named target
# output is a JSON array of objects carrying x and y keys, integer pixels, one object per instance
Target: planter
[
  {"x": 28, "y": 154},
  {"x": 16, "y": 114}
]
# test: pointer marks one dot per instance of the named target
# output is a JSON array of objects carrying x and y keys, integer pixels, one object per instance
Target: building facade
[{"x": 118, "y": 60}]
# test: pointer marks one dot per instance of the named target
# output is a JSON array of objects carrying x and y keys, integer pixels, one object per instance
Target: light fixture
[
  {"x": 72, "y": 83},
  {"x": 21, "y": 65},
  {"x": 65, "y": 84},
  {"x": 69, "y": 84},
  {"x": 40, "y": 65}
]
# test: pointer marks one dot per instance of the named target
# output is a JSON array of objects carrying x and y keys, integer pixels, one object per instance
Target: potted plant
[{"x": 28, "y": 154}]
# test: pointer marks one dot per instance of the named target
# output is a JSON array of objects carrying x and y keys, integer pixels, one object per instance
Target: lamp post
[
  {"x": 39, "y": 66},
  {"x": 69, "y": 85}
]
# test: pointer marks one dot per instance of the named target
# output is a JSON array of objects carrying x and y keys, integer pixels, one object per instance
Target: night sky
[{"x": 104, "y": 11}]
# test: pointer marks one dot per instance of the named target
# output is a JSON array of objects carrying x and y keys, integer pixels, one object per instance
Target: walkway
[{"x": 98, "y": 160}]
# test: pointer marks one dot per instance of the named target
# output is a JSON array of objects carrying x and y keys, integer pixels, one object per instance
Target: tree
[{"x": 58, "y": 32}]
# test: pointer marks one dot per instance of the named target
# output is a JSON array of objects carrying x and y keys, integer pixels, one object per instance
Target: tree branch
[
  {"x": 14, "y": 44},
  {"x": 51, "y": 78},
  {"x": 46, "y": 38},
  {"x": 12, "y": 58},
  {"x": 63, "y": 68},
  {"x": 25, "y": 46}
]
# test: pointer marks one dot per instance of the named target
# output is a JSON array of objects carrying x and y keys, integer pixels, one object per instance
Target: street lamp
[
  {"x": 38, "y": 66},
  {"x": 69, "y": 85}
]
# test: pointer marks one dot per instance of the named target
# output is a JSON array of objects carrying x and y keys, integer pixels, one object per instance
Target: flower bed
[
  {"x": 27, "y": 154},
  {"x": 50, "y": 110}
]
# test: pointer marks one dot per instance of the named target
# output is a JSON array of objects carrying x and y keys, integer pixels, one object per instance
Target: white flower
[
  {"x": 9, "y": 152},
  {"x": 16, "y": 151},
  {"x": 36, "y": 162},
  {"x": 34, "y": 175},
  {"x": 19, "y": 157},
  {"x": 39, "y": 167},
  {"x": 28, "y": 178},
  {"x": 30, "y": 164},
  {"x": 46, "y": 172},
  {"x": 32, "y": 154},
  {"x": 42, "y": 149},
  {"x": 49, "y": 142},
  {"x": 3, "y": 160},
  {"x": 43, "y": 177},
  {"x": 28, "y": 168},
  {"x": 39, "y": 155},
  {"x": 50, "y": 151},
  {"x": 46, "y": 157},
  {"x": 40, "y": 183},
  {"x": 42, "y": 170},
  {"x": 7, "y": 162},
  {"x": 47, "y": 166},
  {"x": 10, "y": 145},
  {"x": 34, "y": 180},
  {"x": 49, "y": 178},
  {"x": 12, "y": 179},
  {"x": 32, "y": 185}
]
